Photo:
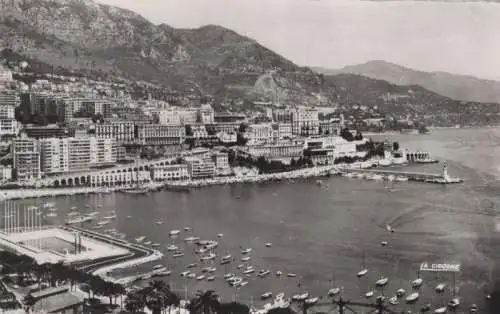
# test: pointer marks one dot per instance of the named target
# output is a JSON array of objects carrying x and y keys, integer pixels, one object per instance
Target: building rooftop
[
  {"x": 48, "y": 292},
  {"x": 57, "y": 303}
]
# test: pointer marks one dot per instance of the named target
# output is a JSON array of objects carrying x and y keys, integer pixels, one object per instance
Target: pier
[{"x": 440, "y": 178}]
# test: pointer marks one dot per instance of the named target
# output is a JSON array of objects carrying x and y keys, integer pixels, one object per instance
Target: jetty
[{"x": 439, "y": 178}]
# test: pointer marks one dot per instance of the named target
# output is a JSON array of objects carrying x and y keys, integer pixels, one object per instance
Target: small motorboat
[
  {"x": 333, "y": 292},
  {"x": 380, "y": 298},
  {"x": 187, "y": 229},
  {"x": 245, "y": 259},
  {"x": 383, "y": 243},
  {"x": 312, "y": 300},
  {"x": 440, "y": 310},
  {"x": 178, "y": 254},
  {"x": 266, "y": 295},
  {"x": 220, "y": 235},
  {"x": 362, "y": 272},
  {"x": 225, "y": 261},
  {"x": 191, "y": 239},
  {"x": 209, "y": 257},
  {"x": 159, "y": 222},
  {"x": 172, "y": 247},
  {"x": 473, "y": 309},
  {"x": 212, "y": 269},
  {"x": 243, "y": 283},
  {"x": 389, "y": 228},
  {"x": 155, "y": 244},
  {"x": 174, "y": 232},
  {"x": 454, "y": 303},
  {"x": 249, "y": 271},
  {"x": 211, "y": 278},
  {"x": 394, "y": 300},
  {"x": 191, "y": 275},
  {"x": 185, "y": 273},
  {"x": 416, "y": 283},
  {"x": 412, "y": 297},
  {"x": 269, "y": 244},
  {"x": 148, "y": 242},
  {"x": 291, "y": 275},
  {"x": 228, "y": 275},
  {"x": 156, "y": 267},
  {"x": 440, "y": 288},
  {"x": 200, "y": 277},
  {"x": 303, "y": 296},
  {"x": 192, "y": 265},
  {"x": 400, "y": 293},
  {"x": 129, "y": 217},
  {"x": 246, "y": 251},
  {"x": 425, "y": 308},
  {"x": 382, "y": 282},
  {"x": 263, "y": 273},
  {"x": 369, "y": 294},
  {"x": 279, "y": 273},
  {"x": 240, "y": 266}
]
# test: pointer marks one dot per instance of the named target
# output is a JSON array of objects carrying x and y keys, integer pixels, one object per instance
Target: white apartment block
[
  {"x": 158, "y": 134},
  {"x": 5, "y": 173},
  {"x": 200, "y": 167},
  {"x": 257, "y": 133},
  {"x": 121, "y": 131},
  {"x": 177, "y": 116},
  {"x": 282, "y": 131},
  {"x": 221, "y": 160},
  {"x": 9, "y": 127},
  {"x": 7, "y": 111},
  {"x": 76, "y": 153},
  {"x": 305, "y": 121},
  {"x": 26, "y": 159}
]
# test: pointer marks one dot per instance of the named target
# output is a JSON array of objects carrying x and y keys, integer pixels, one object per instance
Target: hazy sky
[{"x": 447, "y": 36}]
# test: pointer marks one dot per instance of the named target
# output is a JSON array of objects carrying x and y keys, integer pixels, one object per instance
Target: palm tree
[
  {"x": 204, "y": 303},
  {"x": 29, "y": 301},
  {"x": 135, "y": 302},
  {"x": 158, "y": 296},
  {"x": 233, "y": 308}
]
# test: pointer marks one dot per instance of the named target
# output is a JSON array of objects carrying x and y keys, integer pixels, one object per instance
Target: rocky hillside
[
  {"x": 461, "y": 87},
  {"x": 83, "y": 35}
]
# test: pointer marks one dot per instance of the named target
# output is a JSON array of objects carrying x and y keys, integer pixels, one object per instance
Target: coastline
[{"x": 318, "y": 171}]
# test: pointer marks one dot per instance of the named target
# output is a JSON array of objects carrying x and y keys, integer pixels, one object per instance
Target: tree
[
  {"x": 158, "y": 296},
  {"x": 347, "y": 135},
  {"x": 233, "y": 308},
  {"x": 135, "y": 302},
  {"x": 204, "y": 303},
  {"x": 395, "y": 146},
  {"x": 28, "y": 302}
]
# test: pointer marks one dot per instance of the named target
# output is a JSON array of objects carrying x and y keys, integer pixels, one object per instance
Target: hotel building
[
  {"x": 282, "y": 131},
  {"x": 170, "y": 173},
  {"x": 121, "y": 131},
  {"x": 324, "y": 150},
  {"x": 305, "y": 121},
  {"x": 284, "y": 149},
  {"x": 201, "y": 167},
  {"x": 221, "y": 161},
  {"x": 257, "y": 133},
  {"x": 158, "y": 134},
  {"x": 26, "y": 158}
]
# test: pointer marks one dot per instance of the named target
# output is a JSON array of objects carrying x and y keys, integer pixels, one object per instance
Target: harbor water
[{"x": 325, "y": 233}]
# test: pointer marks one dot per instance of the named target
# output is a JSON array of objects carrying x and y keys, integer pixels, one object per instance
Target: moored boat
[{"x": 412, "y": 297}]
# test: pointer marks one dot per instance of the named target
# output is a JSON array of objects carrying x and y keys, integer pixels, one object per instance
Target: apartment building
[
  {"x": 200, "y": 167},
  {"x": 158, "y": 134},
  {"x": 170, "y": 172},
  {"x": 26, "y": 158},
  {"x": 256, "y": 133},
  {"x": 305, "y": 121},
  {"x": 121, "y": 131}
]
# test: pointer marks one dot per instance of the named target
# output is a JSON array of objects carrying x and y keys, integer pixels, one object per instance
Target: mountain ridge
[{"x": 455, "y": 86}]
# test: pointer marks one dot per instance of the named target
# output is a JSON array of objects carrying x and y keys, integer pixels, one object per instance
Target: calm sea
[{"x": 322, "y": 232}]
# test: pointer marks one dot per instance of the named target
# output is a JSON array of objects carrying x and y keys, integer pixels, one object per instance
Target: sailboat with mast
[
  {"x": 137, "y": 189},
  {"x": 363, "y": 270}
]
